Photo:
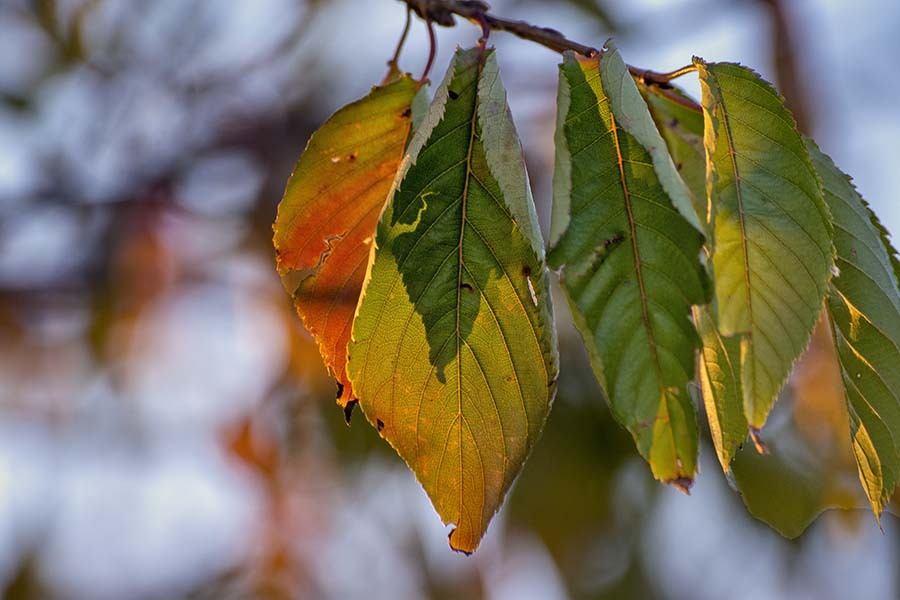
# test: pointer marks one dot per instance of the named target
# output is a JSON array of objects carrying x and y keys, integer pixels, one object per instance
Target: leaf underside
[
  {"x": 772, "y": 249},
  {"x": 630, "y": 263},
  {"x": 453, "y": 350},
  {"x": 864, "y": 307},
  {"x": 327, "y": 217}
]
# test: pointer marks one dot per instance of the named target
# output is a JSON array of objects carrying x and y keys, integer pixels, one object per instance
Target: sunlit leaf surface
[
  {"x": 864, "y": 305},
  {"x": 327, "y": 217},
  {"x": 772, "y": 251},
  {"x": 453, "y": 352}
]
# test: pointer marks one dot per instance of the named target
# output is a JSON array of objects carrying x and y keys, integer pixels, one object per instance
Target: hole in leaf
[{"x": 348, "y": 410}]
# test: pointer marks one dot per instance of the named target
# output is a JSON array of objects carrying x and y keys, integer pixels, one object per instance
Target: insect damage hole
[
  {"x": 348, "y": 410},
  {"x": 526, "y": 272}
]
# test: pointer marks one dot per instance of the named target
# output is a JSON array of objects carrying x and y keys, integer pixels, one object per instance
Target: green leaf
[
  {"x": 453, "y": 350},
  {"x": 720, "y": 385},
  {"x": 630, "y": 259},
  {"x": 682, "y": 129},
  {"x": 864, "y": 306},
  {"x": 772, "y": 248},
  {"x": 719, "y": 359},
  {"x": 329, "y": 211}
]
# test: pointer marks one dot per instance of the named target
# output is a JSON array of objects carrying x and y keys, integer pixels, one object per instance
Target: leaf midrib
[
  {"x": 740, "y": 205},
  {"x": 614, "y": 130},
  {"x": 459, "y": 282}
]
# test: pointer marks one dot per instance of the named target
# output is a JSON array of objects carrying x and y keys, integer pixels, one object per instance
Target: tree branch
[{"x": 443, "y": 12}]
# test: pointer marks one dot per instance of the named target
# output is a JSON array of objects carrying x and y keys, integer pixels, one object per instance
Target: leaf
[
  {"x": 682, "y": 129},
  {"x": 772, "y": 252},
  {"x": 329, "y": 211},
  {"x": 630, "y": 260},
  {"x": 719, "y": 359},
  {"x": 453, "y": 349},
  {"x": 864, "y": 306},
  {"x": 720, "y": 385}
]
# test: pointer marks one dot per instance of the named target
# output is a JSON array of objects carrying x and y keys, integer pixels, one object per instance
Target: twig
[
  {"x": 432, "y": 39},
  {"x": 661, "y": 79},
  {"x": 393, "y": 66},
  {"x": 442, "y": 12}
]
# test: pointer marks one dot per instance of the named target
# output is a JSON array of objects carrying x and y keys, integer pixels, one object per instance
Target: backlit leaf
[
  {"x": 772, "y": 248},
  {"x": 864, "y": 306},
  {"x": 328, "y": 214},
  {"x": 630, "y": 260},
  {"x": 720, "y": 386},
  {"x": 453, "y": 350},
  {"x": 719, "y": 358}
]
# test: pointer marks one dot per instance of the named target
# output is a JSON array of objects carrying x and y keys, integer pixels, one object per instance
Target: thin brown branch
[
  {"x": 393, "y": 67},
  {"x": 432, "y": 39},
  {"x": 661, "y": 79},
  {"x": 443, "y": 12}
]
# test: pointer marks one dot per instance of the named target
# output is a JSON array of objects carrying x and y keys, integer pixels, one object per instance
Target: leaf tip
[
  {"x": 465, "y": 550},
  {"x": 682, "y": 484},
  {"x": 760, "y": 445}
]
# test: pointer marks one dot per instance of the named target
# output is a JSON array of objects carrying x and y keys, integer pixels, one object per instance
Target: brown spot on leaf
[
  {"x": 340, "y": 390},
  {"x": 453, "y": 95},
  {"x": 348, "y": 410},
  {"x": 352, "y": 156},
  {"x": 379, "y": 424},
  {"x": 406, "y": 113},
  {"x": 465, "y": 286},
  {"x": 526, "y": 271}
]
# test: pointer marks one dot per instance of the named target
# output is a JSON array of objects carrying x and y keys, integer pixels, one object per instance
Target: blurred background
[{"x": 167, "y": 429}]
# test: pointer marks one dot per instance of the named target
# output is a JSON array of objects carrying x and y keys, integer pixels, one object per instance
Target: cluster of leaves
[{"x": 689, "y": 244}]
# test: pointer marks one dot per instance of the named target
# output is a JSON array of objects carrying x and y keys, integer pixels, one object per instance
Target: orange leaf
[{"x": 327, "y": 217}]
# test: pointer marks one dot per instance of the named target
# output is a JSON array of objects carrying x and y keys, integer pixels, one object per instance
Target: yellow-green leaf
[
  {"x": 453, "y": 350},
  {"x": 328, "y": 214},
  {"x": 772, "y": 248},
  {"x": 629, "y": 257},
  {"x": 864, "y": 307},
  {"x": 682, "y": 129},
  {"x": 719, "y": 359},
  {"x": 720, "y": 386}
]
